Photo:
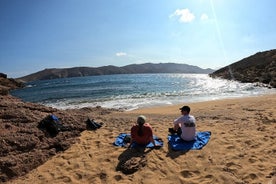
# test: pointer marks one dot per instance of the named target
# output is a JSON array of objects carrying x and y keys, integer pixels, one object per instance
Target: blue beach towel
[
  {"x": 177, "y": 143},
  {"x": 120, "y": 141}
]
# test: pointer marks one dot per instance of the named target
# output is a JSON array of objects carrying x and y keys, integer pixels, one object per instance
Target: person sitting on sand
[
  {"x": 185, "y": 125},
  {"x": 141, "y": 133}
]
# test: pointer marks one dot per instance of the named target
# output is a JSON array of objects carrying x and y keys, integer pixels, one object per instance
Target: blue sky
[{"x": 39, "y": 34}]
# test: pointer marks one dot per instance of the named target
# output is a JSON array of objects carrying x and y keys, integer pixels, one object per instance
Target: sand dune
[{"x": 242, "y": 148}]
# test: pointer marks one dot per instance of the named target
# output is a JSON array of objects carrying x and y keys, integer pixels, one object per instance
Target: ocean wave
[{"x": 134, "y": 91}]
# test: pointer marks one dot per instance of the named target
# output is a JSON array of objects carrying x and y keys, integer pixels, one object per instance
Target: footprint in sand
[
  {"x": 251, "y": 176},
  {"x": 232, "y": 168},
  {"x": 102, "y": 175},
  {"x": 253, "y": 159},
  {"x": 118, "y": 177},
  {"x": 78, "y": 176},
  {"x": 189, "y": 174},
  {"x": 65, "y": 179},
  {"x": 231, "y": 147},
  {"x": 97, "y": 143},
  {"x": 209, "y": 176}
]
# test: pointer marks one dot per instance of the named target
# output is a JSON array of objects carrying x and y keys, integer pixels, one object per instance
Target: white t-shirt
[{"x": 188, "y": 127}]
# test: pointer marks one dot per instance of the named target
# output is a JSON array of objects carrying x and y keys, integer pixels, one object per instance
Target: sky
[{"x": 40, "y": 34}]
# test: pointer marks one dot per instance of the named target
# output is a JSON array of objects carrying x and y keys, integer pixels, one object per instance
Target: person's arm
[
  {"x": 177, "y": 123},
  {"x": 152, "y": 140},
  {"x": 131, "y": 136}
]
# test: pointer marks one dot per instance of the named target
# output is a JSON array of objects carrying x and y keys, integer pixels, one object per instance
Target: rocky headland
[{"x": 259, "y": 68}]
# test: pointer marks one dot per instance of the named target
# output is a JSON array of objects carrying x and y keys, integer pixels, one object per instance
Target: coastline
[
  {"x": 131, "y": 92},
  {"x": 174, "y": 108},
  {"x": 241, "y": 149}
]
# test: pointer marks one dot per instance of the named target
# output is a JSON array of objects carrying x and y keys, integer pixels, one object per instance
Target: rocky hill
[
  {"x": 259, "y": 68},
  {"x": 107, "y": 70},
  {"x": 7, "y": 84}
]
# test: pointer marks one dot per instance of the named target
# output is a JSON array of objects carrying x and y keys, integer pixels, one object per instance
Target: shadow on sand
[
  {"x": 131, "y": 160},
  {"x": 174, "y": 154}
]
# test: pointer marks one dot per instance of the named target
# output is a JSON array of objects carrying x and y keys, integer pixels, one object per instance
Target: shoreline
[
  {"x": 173, "y": 108},
  {"x": 241, "y": 149},
  {"x": 127, "y": 96},
  {"x": 155, "y": 105}
]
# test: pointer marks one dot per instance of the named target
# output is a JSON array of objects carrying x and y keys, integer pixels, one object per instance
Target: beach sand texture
[{"x": 242, "y": 148}]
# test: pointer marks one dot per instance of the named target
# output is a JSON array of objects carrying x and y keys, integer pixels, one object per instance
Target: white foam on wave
[
  {"x": 132, "y": 104},
  {"x": 199, "y": 88}
]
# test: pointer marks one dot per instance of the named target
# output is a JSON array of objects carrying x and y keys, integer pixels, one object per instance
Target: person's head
[
  {"x": 141, "y": 120},
  {"x": 185, "y": 109}
]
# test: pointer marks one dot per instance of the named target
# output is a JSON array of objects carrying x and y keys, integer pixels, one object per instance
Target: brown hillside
[
  {"x": 7, "y": 84},
  {"x": 260, "y": 67}
]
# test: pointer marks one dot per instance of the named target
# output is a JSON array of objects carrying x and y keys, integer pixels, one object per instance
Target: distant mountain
[
  {"x": 260, "y": 67},
  {"x": 54, "y": 73}
]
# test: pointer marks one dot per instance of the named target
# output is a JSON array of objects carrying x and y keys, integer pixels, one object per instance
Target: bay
[{"x": 132, "y": 91}]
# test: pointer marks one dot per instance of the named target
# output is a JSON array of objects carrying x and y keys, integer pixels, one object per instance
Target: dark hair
[
  {"x": 185, "y": 108},
  {"x": 141, "y": 120},
  {"x": 140, "y": 130}
]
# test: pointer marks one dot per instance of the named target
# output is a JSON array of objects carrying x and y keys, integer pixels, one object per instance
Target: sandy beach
[{"x": 242, "y": 148}]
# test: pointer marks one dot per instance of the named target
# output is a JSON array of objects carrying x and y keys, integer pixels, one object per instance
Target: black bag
[
  {"x": 178, "y": 132},
  {"x": 92, "y": 125},
  {"x": 51, "y": 124},
  {"x": 127, "y": 139}
]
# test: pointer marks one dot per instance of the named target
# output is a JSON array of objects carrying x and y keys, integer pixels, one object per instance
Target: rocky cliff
[
  {"x": 258, "y": 68},
  {"x": 7, "y": 84}
]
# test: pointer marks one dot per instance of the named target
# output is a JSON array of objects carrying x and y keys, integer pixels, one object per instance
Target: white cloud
[
  {"x": 204, "y": 17},
  {"x": 119, "y": 54},
  {"x": 183, "y": 15}
]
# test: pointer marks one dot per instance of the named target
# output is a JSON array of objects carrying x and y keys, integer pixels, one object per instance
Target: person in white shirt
[{"x": 186, "y": 123}]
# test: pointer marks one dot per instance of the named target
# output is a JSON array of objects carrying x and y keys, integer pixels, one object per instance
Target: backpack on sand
[
  {"x": 51, "y": 124},
  {"x": 92, "y": 125}
]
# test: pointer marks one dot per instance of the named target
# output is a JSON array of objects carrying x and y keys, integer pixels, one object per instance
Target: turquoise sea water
[{"x": 134, "y": 91}]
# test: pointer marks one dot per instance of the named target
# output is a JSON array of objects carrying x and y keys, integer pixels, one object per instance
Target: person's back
[
  {"x": 187, "y": 124},
  {"x": 145, "y": 135},
  {"x": 141, "y": 133},
  {"x": 188, "y": 128}
]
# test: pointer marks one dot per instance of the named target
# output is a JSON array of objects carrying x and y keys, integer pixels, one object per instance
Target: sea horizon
[{"x": 134, "y": 91}]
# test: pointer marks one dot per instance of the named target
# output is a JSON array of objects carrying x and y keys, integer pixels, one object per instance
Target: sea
[{"x": 134, "y": 91}]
